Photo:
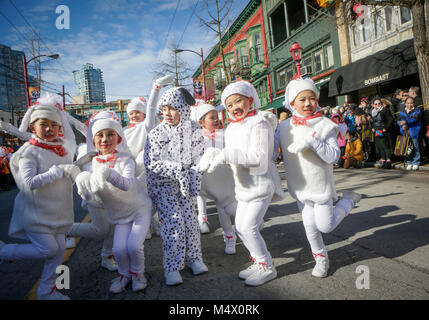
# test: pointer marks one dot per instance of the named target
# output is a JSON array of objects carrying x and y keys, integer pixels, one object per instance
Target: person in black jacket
[
  {"x": 382, "y": 121},
  {"x": 397, "y": 103}
]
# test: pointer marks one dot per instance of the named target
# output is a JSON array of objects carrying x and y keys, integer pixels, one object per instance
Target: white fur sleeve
[
  {"x": 126, "y": 180},
  {"x": 327, "y": 149},
  {"x": 150, "y": 120},
  {"x": 256, "y": 154},
  {"x": 28, "y": 172},
  {"x": 14, "y": 131}
]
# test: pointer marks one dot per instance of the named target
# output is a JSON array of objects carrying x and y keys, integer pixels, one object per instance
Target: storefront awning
[{"x": 392, "y": 63}]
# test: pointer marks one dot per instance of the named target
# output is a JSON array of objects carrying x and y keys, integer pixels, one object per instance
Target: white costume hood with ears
[
  {"x": 243, "y": 88},
  {"x": 296, "y": 86},
  {"x": 179, "y": 99},
  {"x": 51, "y": 107},
  {"x": 114, "y": 123}
]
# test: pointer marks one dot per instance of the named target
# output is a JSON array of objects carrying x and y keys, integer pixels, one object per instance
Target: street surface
[{"x": 380, "y": 251}]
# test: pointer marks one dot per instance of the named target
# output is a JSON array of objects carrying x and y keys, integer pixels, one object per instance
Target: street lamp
[
  {"x": 296, "y": 53},
  {"x": 25, "y": 63},
  {"x": 202, "y": 67}
]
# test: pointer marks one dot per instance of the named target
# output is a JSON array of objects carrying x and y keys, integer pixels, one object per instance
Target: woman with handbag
[{"x": 409, "y": 121}]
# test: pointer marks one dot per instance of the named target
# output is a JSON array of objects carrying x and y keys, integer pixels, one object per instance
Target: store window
[{"x": 405, "y": 13}]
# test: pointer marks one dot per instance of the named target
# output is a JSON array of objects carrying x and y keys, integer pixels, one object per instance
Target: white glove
[
  {"x": 217, "y": 160},
  {"x": 83, "y": 184},
  {"x": 301, "y": 145},
  {"x": 70, "y": 171},
  {"x": 99, "y": 178},
  {"x": 55, "y": 172},
  {"x": 271, "y": 118},
  {"x": 4, "y": 126},
  {"x": 206, "y": 159},
  {"x": 162, "y": 82}
]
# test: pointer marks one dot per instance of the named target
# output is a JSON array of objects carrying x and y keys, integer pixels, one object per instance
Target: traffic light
[{"x": 120, "y": 105}]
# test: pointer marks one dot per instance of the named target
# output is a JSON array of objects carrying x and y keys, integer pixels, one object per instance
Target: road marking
[{"x": 32, "y": 295}]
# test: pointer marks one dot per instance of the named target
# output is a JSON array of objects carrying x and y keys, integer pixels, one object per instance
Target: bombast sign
[{"x": 376, "y": 79}]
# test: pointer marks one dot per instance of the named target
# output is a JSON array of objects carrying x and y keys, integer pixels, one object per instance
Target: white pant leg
[
  {"x": 106, "y": 250},
  {"x": 44, "y": 246},
  {"x": 202, "y": 206},
  {"x": 248, "y": 218},
  {"x": 225, "y": 214},
  {"x": 313, "y": 234},
  {"x": 329, "y": 217},
  {"x": 120, "y": 248},
  {"x": 192, "y": 234},
  {"x": 135, "y": 246}
]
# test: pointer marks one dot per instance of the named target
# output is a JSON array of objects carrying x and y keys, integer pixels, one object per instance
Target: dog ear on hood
[{"x": 189, "y": 99}]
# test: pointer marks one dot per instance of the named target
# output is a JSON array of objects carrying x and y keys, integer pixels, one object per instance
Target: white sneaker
[
  {"x": 262, "y": 274},
  {"x": 139, "y": 282},
  {"x": 119, "y": 284},
  {"x": 173, "y": 278},
  {"x": 198, "y": 267},
  {"x": 204, "y": 224},
  {"x": 415, "y": 167},
  {"x": 246, "y": 273},
  {"x": 409, "y": 167},
  {"x": 321, "y": 268},
  {"x": 70, "y": 242},
  {"x": 230, "y": 243},
  {"x": 53, "y": 295},
  {"x": 352, "y": 195},
  {"x": 109, "y": 263}
]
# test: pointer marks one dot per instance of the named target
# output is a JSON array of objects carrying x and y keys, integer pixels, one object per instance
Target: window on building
[
  {"x": 318, "y": 61},
  {"x": 307, "y": 65},
  {"x": 378, "y": 23},
  {"x": 244, "y": 59},
  {"x": 282, "y": 78},
  {"x": 290, "y": 72},
  {"x": 329, "y": 56},
  {"x": 312, "y": 9},
  {"x": 258, "y": 48},
  {"x": 405, "y": 13},
  {"x": 366, "y": 31},
  {"x": 278, "y": 25},
  {"x": 296, "y": 15},
  {"x": 388, "y": 14},
  {"x": 356, "y": 36}
]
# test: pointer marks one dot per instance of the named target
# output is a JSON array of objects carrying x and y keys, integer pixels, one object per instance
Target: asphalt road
[{"x": 380, "y": 251}]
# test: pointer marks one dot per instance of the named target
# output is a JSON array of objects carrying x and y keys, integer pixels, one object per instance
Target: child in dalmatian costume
[
  {"x": 43, "y": 209},
  {"x": 309, "y": 145},
  {"x": 112, "y": 185},
  {"x": 249, "y": 143},
  {"x": 217, "y": 185},
  {"x": 172, "y": 152}
]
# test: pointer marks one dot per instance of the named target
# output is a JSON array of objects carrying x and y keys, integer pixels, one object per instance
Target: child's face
[
  {"x": 45, "y": 129},
  {"x": 305, "y": 103},
  {"x": 171, "y": 115},
  {"x": 136, "y": 116},
  {"x": 210, "y": 121},
  {"x": 238, "y": 105},
  {"x": 106, "y": 140}
]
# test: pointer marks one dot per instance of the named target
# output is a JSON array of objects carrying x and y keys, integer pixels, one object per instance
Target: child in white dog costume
[
  {"x": 217, "y": 185},
  {"x": 43, "y": 209},
  {"x": 309, "y": 145},
  {"x": 249, "y": 143}
]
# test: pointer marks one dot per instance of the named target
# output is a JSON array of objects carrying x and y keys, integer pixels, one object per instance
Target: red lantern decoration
[{"x": 296, "y": 51}]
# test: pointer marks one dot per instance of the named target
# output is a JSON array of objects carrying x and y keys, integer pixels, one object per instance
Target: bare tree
[
  {"x": 219, "y": 22},
  {"x": 176, "y": 67},
  {"x": 420, "y": 12}
]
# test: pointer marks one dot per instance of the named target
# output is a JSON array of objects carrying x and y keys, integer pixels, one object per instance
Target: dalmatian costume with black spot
[{"x": 171, "y": 156}]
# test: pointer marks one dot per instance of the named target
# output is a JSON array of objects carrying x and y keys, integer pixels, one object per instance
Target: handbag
[{"x": 402, "y": 145}]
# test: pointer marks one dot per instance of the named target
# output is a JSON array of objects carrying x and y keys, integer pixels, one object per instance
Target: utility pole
[{"x": 176, "y": 82}]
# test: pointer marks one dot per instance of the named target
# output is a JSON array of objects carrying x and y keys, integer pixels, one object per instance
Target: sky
[{"x": 126, "y": 39}]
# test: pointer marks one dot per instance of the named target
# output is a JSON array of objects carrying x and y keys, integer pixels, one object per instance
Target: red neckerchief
[
  {"x": 249, "y": 114},
  {"x": 209, "y": 134},
  {"x": 110, "y": 158},
  {"x": 298, "y": 121},
  {"x": 58, "y": 150},
  {"x": 132, "y": 125}
]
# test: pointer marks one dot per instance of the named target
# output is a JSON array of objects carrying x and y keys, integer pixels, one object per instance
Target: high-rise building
[
  {"x": 89, "y": 83},
  {"x": 12, "y": 85}
]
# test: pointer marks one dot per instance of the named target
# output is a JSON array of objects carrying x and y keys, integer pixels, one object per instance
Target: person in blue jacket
[{"x": 409, "y": 121}]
